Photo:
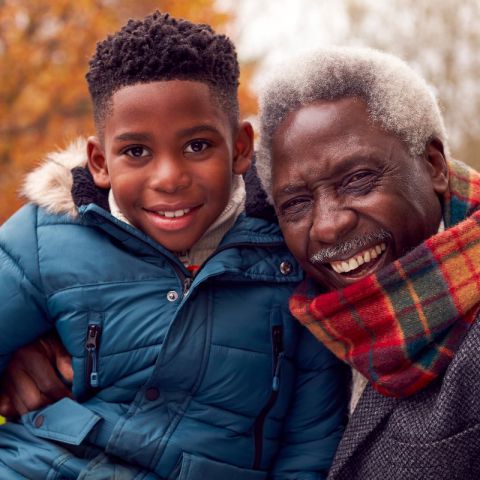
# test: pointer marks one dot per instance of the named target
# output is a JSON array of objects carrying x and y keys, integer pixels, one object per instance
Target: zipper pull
[
  {"x": 186, "y": 285},
  {"x": 93, "y": 338},
  {"x": 276, "y": 375},
  {"x": 276, "y": 383},
  {"x": 277, "y": 341}
]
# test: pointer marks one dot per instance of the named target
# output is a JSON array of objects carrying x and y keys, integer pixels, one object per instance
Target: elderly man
[{"x": 354, "y": 155}]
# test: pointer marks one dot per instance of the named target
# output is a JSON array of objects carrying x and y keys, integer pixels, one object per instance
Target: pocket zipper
[
  {"x": 277, "y": 343},
  {"x": 91, "y": 345}
]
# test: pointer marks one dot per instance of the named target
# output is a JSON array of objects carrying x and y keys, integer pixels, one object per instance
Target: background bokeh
[{"x": 45, "y": 46}]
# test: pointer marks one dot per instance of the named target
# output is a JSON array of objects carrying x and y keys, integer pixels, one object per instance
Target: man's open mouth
[{"x": 360, "y": 262}]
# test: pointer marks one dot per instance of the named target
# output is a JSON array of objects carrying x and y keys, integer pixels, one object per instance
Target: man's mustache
[{"x": 355, "y": 244}]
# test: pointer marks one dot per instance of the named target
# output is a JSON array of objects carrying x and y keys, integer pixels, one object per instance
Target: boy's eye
[
  {"x": 136, "y": 152},
  {"x": 197, "y": 146}
]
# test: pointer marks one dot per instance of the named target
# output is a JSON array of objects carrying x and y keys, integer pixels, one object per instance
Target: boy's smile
[{"x": 169, "y": 153}]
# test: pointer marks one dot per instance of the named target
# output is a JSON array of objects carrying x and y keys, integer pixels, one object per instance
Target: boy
[{"x": 172, "y": 302}]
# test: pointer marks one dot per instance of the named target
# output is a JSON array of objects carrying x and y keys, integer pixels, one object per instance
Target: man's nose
[
  {"x": 331, "y": 221},
  {"x": 169, "y": 175}
]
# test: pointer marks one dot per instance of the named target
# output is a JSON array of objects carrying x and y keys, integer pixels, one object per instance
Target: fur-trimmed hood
[
  {"x": 62, "y": 182},
  {"x": 50, "y": 184}
]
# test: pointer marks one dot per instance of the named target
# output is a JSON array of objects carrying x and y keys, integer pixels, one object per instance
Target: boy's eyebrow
[
  {"x": 196, "y": 129},
  {"x": 145, "y": 137},
  {"x": 134, "y": 136}
]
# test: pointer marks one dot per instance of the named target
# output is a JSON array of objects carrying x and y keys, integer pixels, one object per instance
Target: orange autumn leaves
[{"x": 44, "y": 50}]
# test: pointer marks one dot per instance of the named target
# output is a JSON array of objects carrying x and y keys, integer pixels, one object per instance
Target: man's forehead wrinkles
[
  {"x": 329, "y": 168},
  {"x": 357, "y": 159},
  {"x": 291, "y": 188}
]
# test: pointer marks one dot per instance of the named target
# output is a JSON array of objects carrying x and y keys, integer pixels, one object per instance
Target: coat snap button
[
  {"x": 172, "y": 295},
  {"x": 39, "y": 419},
  {"x": 152, "y": 394},
  {"x": 286, "y": 268}
]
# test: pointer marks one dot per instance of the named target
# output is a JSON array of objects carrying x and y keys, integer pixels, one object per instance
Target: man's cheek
[{"x": 295, "y": 244}]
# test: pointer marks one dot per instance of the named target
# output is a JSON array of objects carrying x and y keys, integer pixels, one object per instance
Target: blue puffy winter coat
[{"x": 175, "y": 379}]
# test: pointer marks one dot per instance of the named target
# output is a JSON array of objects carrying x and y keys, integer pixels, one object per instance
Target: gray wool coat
[{"x": 433, "y": 435}]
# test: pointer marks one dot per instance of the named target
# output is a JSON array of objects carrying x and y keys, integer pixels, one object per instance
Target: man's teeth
[
  {"x": 354, "y": 262},
  {"x": 174, "y": 214}
]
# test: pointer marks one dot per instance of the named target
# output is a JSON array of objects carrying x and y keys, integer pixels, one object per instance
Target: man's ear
[
  {"x": 437, "y": 165},
  {"x": 97, "y": 163},
  {"x": 243, "y": 149}
]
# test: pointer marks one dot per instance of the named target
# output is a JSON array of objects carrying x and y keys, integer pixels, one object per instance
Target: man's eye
[
  {"x": 136, "y": 152},
  {"x": 358, "y": 176},
  {"x": 197, "y": 146},
  {"x": 294, "y": 206},
  {"x": 361, "y": 182}
]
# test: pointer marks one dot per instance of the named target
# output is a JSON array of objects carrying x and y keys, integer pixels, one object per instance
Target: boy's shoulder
[
  {"x": 252, "y": 227},
  {"x": 25, "y": 222},
  {"x": 261, "y": 251},
  {"x": 20, "y": 235},
  {"x": 22, "y": 224}
]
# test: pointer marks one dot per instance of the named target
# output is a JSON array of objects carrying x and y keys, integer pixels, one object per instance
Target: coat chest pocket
[
  {"x": 455, "y": 457},
  {"x": 92, "y": 348},
  {"x": 65, "y": 421},
  {"x": 83, "y": 338},
  {"x": 195, "y": 468}
]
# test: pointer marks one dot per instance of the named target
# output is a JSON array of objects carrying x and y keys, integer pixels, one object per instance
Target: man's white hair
[{"x": 397, "y": 98}]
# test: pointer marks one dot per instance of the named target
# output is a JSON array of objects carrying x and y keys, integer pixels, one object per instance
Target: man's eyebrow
[
  {"x": 340, "y": 169},
  {"x": 187, "y": 132},
  {"x": 370, "y": 158},
  {"x": 291, "y": 188},
  {"x": 133, "y": 136}
]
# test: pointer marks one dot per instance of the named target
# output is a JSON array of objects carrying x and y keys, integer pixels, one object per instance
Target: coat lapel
[{"x": 371, "y": 412}]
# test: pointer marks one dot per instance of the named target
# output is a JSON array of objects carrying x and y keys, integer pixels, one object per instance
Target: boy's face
[{"x": 168, "y": 155}]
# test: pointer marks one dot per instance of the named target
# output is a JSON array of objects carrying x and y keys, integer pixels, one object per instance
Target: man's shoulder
[{"x": 434, "y": 418}]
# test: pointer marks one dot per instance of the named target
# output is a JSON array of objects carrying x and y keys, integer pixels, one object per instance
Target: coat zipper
[
  {"x": 277, "y": 342},
  {"x": 187, "y": 282},
  {"x": 91, "y": 345}
]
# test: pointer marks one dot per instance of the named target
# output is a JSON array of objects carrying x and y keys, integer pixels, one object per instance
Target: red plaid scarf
[{"x": 401, "y": 326}]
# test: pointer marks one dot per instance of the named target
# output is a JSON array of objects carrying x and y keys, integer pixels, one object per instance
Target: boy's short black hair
[{"x": 161, "y": 48}]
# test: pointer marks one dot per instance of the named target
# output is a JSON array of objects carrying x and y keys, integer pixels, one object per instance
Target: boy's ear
[
  {"x": 97, "y": 164},
  {"x": 243, "y": 149}
]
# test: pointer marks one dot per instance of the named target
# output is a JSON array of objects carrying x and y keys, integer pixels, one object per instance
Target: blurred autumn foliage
[{"x": 44, "y": 50}]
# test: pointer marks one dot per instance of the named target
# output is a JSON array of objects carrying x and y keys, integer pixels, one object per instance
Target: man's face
[
  {"x": 349, "y": 196},
  {"x": 169, "y": 154}
]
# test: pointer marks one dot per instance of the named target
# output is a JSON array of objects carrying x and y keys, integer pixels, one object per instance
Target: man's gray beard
[{"x": 355, "y": 244}]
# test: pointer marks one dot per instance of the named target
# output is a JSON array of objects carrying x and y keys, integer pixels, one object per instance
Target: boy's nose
[
  {"x": 331, "y": 222},
  {"x": 169, "y": 175}
]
